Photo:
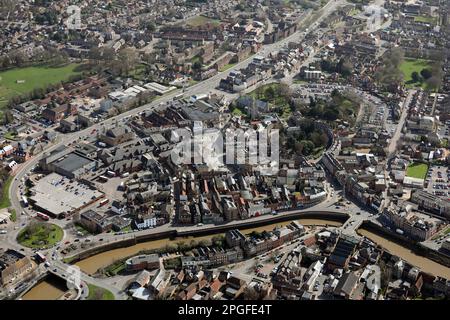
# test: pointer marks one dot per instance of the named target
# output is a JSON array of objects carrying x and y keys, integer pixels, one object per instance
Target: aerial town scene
[{"x": 225, "y": 150}]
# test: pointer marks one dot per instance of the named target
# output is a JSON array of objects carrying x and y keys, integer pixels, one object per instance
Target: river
[
  {"x": 425, "y": 264},
  {"x": 92, "y": 264},
  {"x": 48, "y": 290}
]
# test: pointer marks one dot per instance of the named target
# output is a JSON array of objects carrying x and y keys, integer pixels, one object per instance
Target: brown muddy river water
[
  {"x": 425, "y": 264},
  {"x": 92, "y": 264},
  {"x": 50, "y": 289},
  {"x": 47, "y": 290}
]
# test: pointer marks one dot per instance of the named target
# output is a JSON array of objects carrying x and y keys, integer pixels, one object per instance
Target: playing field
[
  {"x": 426, "y": 19},
  {"x": 417, "y": 170},
  {"x": 201, "y": 20},
  {"x": 410, "y": 65},
  {"x": 23, "y": 80}
]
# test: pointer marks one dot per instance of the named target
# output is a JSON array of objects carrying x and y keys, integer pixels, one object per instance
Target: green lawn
[
  {"x": 34, "y": 77},
  {"x": 196, "y": 59},
  {"x": 10, "y": 136},
  {"x": 426, "y": 19},
  {"x": 98, "y": 293},
  {"x": 4, "y": 202},
  {"x": 408, "y": 66},
  {"x": 354, "y": 12},
  {"x": 81, "y": 229},
  {"x": 417, "y": 170},
  {"x": 237, "y": 112},
  {"x": 13, "y": 215},
  {"x": 277, "y": 99},
  {"x": 138, "y": 72},
  {"x": 40, "y": 235},
  {"x": 227, "y": 66},
  {"x": 201, "y": 20},
  {"x": 115, "y": 268}
]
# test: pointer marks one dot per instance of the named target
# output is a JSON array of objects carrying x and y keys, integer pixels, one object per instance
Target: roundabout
[{"x": 40, "y": 235}]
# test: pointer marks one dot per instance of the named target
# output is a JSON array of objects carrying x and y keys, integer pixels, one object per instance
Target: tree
[
  {"x": 18, "y": 59},
  {"x": 389, "y": 74},
  {"x": 285, "y": 91},
  {"x": 435, "y": 81},
  {"x": 128, "y": 58},
  {"x": 197, "y": 65},
  {"x": 308, "y": 147},
  {"x": 298, "y": 147},
  {"x": 415, "y": 76},
  {"x": 148, "y": 25},
  {"x": 269, "y": 93},
  {"x": 344, "y": 67},
  {"x": 426, "y": 73},
  {"x": 8, "y": 117},
  {"x": 5, "y": 62}
]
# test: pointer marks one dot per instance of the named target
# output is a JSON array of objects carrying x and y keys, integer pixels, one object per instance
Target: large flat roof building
[
  {"x": 56, "y": 195},
  {"x": 72, "y": 164}
]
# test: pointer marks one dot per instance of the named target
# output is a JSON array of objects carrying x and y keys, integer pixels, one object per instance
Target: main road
[{"x": 405, "y": 108}]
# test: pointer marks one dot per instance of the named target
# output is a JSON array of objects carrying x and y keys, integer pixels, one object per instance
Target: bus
[
  {"x": 42, "y": 216},
  {"x": 103, "y": 202},
  {"x": 24, "y": 201},
  {"x": 111, "y": 174}
]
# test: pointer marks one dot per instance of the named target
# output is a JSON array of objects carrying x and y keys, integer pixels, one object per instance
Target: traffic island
[
  {"x": 40, "y": 235},
  {"x": 98, "y": 293}
]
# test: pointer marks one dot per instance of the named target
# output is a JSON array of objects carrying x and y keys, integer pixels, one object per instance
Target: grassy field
[
  {"x": 39, "y": 235},
  {"x": 237, "y": 112},
  {"x": 4, "y": 202},
  {"x": 80, "y": 228},
  {"x": 98, "y": 293},
  {"x": 200, "y": 21},
  {"x": 13, "y": 215},
  {"x": 10, "y": 136},
  {"x": 426, "y": 19},
  {"x": 138, "y": 73},
  {"x": 278, "y": 100},
  {"x": 417, "y": 170},
  {"x": 227, "y": 66},
  {"x": 410, "y": 65},
  {"x": 33, "y": 77},
  {"x": 115, "y": 268}
]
